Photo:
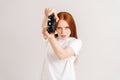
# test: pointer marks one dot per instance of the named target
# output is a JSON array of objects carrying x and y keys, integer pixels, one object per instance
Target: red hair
[{"x": 69, "y": 19}]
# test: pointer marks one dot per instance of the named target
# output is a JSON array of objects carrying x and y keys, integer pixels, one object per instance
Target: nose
[{"x": 62, "y": 31}]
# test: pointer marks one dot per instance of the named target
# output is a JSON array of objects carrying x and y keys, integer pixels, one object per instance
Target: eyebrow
[{"x": 60, "y": 26}]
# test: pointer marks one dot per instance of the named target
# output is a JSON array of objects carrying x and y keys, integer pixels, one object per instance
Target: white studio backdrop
[{"x": 22, "y": 48}]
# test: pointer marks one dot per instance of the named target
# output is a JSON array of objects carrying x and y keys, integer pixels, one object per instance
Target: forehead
[{"x": 62, "y": 23}]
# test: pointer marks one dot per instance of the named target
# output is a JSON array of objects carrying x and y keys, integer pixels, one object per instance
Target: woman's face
[{"x": 63, "y": 30}]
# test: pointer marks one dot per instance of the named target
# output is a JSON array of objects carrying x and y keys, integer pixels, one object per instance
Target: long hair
[{"x": 69, "y": 19}]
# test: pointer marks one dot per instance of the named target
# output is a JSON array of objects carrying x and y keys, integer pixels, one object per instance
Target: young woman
[{"x": 61, "y": 50}]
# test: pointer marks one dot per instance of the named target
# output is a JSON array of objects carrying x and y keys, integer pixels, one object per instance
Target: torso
[{"x": 59, "y": 69}]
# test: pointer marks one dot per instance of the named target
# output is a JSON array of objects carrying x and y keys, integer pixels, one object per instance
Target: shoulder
[
  {"x": 76, "y": 45},
  {"x": 74, "y": 40}
]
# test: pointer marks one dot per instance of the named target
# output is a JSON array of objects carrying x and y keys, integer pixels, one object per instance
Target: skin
[{"x": 63, "y": 32}]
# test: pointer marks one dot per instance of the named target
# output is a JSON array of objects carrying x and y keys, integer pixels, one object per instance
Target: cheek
[
  {"x": 58, "y": 31},
  {"x": 69, "y": 31}
]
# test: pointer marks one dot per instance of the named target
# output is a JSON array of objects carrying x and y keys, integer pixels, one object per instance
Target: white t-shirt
[{"x": 56, "y": 69}]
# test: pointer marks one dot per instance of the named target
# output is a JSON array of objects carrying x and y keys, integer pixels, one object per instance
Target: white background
[{"x": 22, "y": 47}]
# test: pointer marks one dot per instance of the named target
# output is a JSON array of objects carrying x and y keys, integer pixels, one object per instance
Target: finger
[
  {"x": 46, "y": 11},
  {"x": 51, "y": 11}
]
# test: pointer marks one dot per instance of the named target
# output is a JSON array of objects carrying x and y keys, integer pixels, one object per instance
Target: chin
[{"x": 64, "y": 38}]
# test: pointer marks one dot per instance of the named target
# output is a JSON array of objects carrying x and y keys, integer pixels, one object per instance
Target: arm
[
  {"x": 59, "y": 51},
  {"x": 44, "y": 26}
]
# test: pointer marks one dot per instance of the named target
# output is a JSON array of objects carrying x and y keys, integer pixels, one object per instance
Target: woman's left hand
[{"x": 49, "y": 11}]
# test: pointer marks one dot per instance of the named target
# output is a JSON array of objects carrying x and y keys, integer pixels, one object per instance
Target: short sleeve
[{"x": 76, "y": 45}]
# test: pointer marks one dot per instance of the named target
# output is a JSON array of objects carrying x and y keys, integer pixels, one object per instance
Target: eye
[
  {"x": 58, "y": 27},
  {"x": 67, "y": 27}
]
